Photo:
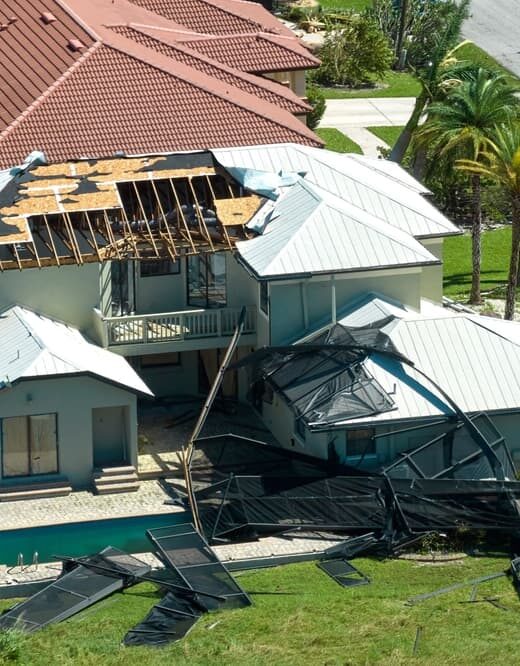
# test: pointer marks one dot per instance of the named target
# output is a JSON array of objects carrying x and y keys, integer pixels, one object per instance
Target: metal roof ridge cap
[
  {"x": 357, "y": 180},
  {"x": 39, "y": 100}
]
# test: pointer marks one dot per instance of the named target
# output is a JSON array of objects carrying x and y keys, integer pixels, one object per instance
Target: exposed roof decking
[{"x": 143, "y": 207}]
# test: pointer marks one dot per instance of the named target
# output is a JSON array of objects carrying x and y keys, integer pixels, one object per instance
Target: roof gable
[
  {"x": 312, "y": 233},
  {"x": 34, "y": 346}
]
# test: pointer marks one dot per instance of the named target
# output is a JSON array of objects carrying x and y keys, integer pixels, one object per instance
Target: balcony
[{"x": 183, "y": 330}]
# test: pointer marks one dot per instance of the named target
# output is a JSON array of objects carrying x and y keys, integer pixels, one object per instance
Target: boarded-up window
[{"x": 29, "y": 445}]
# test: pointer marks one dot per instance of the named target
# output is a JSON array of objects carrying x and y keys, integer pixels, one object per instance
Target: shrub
[
  {"x": 316, "y": 99},
  {"x": 353, "y": 52}
]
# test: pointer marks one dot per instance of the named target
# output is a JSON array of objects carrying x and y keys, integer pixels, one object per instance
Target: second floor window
[{"x": 207, "y": 281}]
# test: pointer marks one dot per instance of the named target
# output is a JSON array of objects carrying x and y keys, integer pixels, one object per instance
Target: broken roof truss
[{"x": 161, "y": 207}]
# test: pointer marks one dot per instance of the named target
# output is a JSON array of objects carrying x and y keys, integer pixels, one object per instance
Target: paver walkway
[{"x": 83, "y": 505}]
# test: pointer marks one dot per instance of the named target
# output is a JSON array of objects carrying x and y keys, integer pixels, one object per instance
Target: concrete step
[
  {"x": 123, "y": 478},
  {"x": 117, "y": 488},
  {"x": 114, "y": 471},
  {"x": 12, "y": 495}
]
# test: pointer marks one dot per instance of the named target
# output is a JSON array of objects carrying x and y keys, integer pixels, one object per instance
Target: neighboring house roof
[
  {"x": 364, "y": 184},
  {"x": 184, "y": 113},
  {"x": 78, "y": 88},
  {"x": 255, "y": 53},
  {"x": 33, "y": 346},
  {"x": 220, "y": 17},
  {"x": 313, "y": 232},
  {"x": 262, "y": 87},
  {"x": 478, "y": 368}
]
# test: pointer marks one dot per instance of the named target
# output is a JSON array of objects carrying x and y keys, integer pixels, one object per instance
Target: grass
[
  {"x": 475, "y": 54},
  {"x": 338, "y": 5},
  {"x": 337, "y": 141},
  {"x": 388, "y": 134},
  {"x": 301, "y": 614},
  {"x": 392, "y": 84},
  {"x": 496, "y": 250}
]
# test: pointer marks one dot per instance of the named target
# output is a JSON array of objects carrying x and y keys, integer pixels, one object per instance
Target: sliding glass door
[
  {"x": 207, "y": 281},
  {"x": 29, "y": 445}
]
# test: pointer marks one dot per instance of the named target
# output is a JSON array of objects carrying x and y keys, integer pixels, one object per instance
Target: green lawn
[
  {"x": 337, "y": 141},
  {"x": 496, "y": 250},
  {"x": 393, "y": 84},
  {"x": 476, "y": 54},
  {"x": 338, "y": 5},
  {"x": 302, "y": 616},
  {"x": 388, "y": 134}
]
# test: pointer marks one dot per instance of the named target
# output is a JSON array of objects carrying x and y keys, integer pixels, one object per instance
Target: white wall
[
  {"x": 431, "y": 278},
  {"x": 72, "y": 399},
  {"x": 67, "y": 293},
  {"x": 300, "y": 306}
]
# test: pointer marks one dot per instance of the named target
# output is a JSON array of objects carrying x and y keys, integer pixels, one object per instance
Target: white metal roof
[
  {"x": 476, "y": 365},
  {"x": 386, "y": 192},
  {"x": 32, "y": 346},
  {"x": 312, "y": 231}
]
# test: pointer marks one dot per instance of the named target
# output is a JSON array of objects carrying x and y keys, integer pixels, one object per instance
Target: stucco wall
[
  {"x": 431, "y": 277},
  {"x": 300, "y": 306},
  {"x": 72, "y": 399},
  {"x": 68, "y": 293}
]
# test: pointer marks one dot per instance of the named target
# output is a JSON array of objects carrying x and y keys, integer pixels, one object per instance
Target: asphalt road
[{"x": 494, "y": 25}]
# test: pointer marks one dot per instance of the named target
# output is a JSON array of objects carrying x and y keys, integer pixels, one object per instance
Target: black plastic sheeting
[{"x": 84, "y": 584}]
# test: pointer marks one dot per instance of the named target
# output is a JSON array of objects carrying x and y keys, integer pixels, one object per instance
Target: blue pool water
[{"x": 75, "y": 539}]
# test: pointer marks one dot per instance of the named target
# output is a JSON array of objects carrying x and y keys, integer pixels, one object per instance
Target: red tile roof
[
  {"x": 110, "y": 120},
  {"x": 217, "y": 17},
  {"x": 257, "y": 53},
  {"x": 263, "y": 88},
  {"x": 34, "y": 54},
  {"x": 121, "y": 92}
]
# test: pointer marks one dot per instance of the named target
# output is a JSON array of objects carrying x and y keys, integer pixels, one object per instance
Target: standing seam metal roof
[
  {"x": 315, "y": 232},
  {"x": 342, "y": 175}
]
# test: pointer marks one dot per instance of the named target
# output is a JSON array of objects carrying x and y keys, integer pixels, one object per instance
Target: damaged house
[{"x": 152, "y": 258}]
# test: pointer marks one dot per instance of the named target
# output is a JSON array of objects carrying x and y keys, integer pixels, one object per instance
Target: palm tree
[
  {"x": 429, "y": 75},
  {"x": 458, "y": 128},
  {"x": 500, "y": 162}
]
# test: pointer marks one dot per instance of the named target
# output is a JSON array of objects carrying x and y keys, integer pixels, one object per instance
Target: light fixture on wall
[{"x": 29, "y": 397}]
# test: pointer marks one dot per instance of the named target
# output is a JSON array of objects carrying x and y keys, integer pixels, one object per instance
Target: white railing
[{"x": 176, "y": 326}]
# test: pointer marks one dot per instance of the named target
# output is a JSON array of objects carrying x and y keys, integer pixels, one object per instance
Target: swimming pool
[{"x": 75, "y": 539}]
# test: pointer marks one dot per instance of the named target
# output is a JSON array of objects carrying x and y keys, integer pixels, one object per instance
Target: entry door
[{"x": 109, "y": 436}]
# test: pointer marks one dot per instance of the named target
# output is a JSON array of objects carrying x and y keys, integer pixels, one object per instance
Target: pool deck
[
  {"x": 81, "y": 506},
  {"x": 289, "y": 545}
]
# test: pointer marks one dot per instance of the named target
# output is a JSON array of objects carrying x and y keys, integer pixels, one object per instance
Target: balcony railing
[{"x": 176, "y": 326}]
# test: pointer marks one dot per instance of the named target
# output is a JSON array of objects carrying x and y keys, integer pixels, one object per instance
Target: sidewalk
[{"x": 353, "y": 116}]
